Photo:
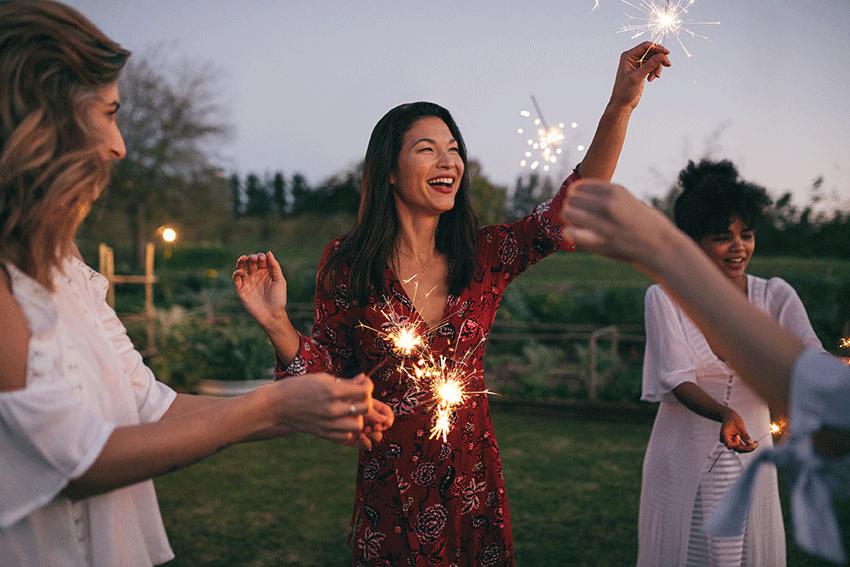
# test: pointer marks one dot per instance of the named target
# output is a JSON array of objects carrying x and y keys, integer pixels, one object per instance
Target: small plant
[{"x": 191, "y": 349}]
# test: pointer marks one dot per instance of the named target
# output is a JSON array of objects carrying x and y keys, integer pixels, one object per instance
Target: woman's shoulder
[
  {"x": 16, "y": 330},
  {"x": 776, "y": 289},
  {"x": 33, "y": 301}
]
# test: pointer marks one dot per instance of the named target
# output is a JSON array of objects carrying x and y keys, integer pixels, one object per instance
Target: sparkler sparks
[
  {"x": 543, "y": 148},
  {"x": 661, "y": 19},
  {"x": 446, "y": 381},
  {"x": 844, "y": 343}
]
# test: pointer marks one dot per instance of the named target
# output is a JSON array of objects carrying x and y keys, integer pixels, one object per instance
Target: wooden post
[
  {"x": 106, "y": 266},
  {"x": 150, "y": 314},
  {"x": 593, "y": 352},
  {"x": 594, "y": 375}
]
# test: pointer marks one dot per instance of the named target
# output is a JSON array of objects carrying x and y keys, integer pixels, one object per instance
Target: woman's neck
[{"x": 417, "y": 235}]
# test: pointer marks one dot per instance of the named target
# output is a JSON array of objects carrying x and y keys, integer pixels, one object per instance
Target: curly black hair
[{"x": 713, "y": 194}]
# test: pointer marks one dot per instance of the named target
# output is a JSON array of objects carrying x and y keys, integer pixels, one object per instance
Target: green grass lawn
[{"x": 573, "y": 487}]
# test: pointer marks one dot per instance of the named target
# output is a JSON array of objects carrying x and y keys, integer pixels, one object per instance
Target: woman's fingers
[
  {"x": 653, "y": 65},
  {"x": 274, "y": 266},
  {"x": 640, "y": 49}
]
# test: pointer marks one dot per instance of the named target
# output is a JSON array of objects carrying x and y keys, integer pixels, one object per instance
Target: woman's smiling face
[
  {"x": 429, "y": 169},
  {"x": 731, "y": 250}
]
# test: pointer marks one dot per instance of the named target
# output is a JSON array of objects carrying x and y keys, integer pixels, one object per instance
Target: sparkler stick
[{"x": 775, "y": 429}]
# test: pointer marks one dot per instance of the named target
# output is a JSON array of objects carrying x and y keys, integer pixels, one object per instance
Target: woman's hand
[
  {"x": 378, "y": 419},
  {"x": 644, "y": 61},
  {"x": 261, "y": 287},
  {"x": 606, "y": 219},
  {"x": 734, "y": 434},
  {"x": 321, "y": 405}
]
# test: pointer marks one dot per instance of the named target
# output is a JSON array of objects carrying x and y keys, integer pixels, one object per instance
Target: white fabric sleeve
[
  {"x": 153, "y": 398},
  {"x": 789, "y": 311},
  {"x": 47, "y": 437},
  {"x": 668, "y": 360},
  {"x": 819, "y": 396}
]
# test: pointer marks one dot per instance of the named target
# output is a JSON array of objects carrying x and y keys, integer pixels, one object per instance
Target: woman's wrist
[
  {"x": 277, "y": 324},
  {"x": 265, "y": 402},
  {"x": 617, "y": 109}
]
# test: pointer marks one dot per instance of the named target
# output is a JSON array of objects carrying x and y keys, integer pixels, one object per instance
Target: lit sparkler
[
  {"x": 446, "y": 381},
  {"x": 543, "y": 147},
  {"x": 661, "y": 19},
  {"x": 845, "y": 344},
  {"x": 448, "y": 386},
  {"x": 776, "y": 428}
]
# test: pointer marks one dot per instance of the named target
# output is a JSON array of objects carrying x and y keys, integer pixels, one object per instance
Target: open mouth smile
[{"x": 443, "y": 184}]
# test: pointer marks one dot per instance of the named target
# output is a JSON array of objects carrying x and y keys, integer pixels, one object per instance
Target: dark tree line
[
  {"x": 278, "y": 196},
  {"x": 791, "y": 229}
]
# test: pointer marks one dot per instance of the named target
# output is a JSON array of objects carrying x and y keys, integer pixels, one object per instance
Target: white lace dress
[
  {"x": 678, "y": 493},
  {"x": 84, "y": 379}
]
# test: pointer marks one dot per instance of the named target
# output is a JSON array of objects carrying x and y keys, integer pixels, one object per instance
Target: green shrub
[{"x": 191, "y": 348}]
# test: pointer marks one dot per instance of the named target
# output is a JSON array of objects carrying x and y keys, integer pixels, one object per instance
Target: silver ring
[{"x": 351, "y": 409}]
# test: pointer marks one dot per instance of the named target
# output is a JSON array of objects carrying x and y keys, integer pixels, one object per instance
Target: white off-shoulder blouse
[{"x": 84, "y": 379}]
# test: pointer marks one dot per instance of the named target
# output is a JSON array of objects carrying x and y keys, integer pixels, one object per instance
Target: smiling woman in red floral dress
[{"x": 415, "y": 250}]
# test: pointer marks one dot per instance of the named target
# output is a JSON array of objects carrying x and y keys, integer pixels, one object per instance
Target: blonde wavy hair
[{"x": 52, "y": 61}]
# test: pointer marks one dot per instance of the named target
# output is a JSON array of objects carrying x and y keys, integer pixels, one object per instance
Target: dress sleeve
[
  {"x": 328, "y": 348},
  {"x": 49, "y": 433},
  {"x": 789, "y": 311},
  {"x": 47, "y": 437},
  {"x": 819, "y": 396},
  {"x": 668, "y": 360},
  {"x": 153, "y": 398},
  {"x": 512, "y": 248}
]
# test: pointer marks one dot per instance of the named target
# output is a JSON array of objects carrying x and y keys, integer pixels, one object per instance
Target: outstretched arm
[
  {"x": 316, "y": 404},
  {"x": 642, "y": 62}
]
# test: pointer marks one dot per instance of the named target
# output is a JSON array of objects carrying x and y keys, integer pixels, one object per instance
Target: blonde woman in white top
[{"x": 84, "y": 425}]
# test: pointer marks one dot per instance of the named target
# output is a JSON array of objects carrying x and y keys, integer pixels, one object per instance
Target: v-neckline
[{"x": 443, "y": 314}]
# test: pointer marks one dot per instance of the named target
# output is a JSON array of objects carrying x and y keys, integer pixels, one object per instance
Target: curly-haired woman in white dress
[{"x": 710, "y": 424}]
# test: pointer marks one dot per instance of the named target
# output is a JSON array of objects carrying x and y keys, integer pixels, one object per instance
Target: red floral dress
[{"x": 422, "y": 501}]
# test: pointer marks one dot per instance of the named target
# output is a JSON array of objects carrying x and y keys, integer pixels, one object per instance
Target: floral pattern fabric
[{"x": 421, "y": 501}]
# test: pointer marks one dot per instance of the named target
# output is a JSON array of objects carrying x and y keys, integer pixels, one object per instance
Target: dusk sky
[{"x": 305, "y": 81}]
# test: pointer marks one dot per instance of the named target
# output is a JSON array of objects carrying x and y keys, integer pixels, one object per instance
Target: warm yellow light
[
  {"x": 406, "y": 340},
  {"x": 667, "y": 20},
  {"x": 845, "y": 342},
  {"x": 775, "y": 428},
  {"x": 169, "y": 234},
  {"x": 442, "y": 424},
  {"x": 450, "y": 392}
]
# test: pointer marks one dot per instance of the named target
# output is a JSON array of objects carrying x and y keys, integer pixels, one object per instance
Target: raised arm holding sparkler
[{"x": 409, "y": 296}]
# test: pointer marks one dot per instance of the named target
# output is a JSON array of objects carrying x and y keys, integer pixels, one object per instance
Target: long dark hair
[{"x": 367, "y": 247}]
